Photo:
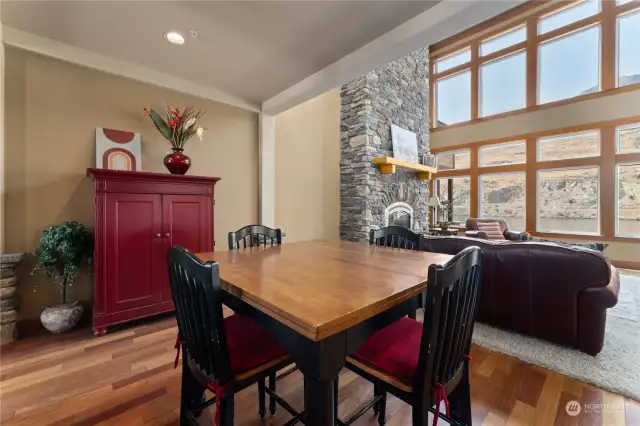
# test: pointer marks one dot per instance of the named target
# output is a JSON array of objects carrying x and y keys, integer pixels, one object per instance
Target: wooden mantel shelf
[{"x": 388, "y": 166}]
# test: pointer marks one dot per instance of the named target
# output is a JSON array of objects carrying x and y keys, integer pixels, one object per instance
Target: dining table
[{"x": 322, "y": 300}]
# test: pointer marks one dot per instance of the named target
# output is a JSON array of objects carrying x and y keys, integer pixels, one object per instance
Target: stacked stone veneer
[
  {"x": 397, "y": 93},
  {"x": 9, "y": 299}
]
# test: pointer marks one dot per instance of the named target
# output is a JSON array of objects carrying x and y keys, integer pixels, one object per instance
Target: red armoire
[{"x": 138, "y": 216}]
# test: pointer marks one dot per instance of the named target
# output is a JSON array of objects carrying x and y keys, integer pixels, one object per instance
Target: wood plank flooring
[{"x": 127, "y": 378}]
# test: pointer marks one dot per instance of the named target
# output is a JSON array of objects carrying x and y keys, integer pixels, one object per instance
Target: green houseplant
[{"x": 62, "y": 251}]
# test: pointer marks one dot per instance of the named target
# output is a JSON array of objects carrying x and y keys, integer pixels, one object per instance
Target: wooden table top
[{"x": 320, "y": 288}]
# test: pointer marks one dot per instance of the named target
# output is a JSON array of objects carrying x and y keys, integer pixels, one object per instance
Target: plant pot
[
  {"x": 444, "y": 227},
  {"x": 177, "y": 163},
  {"x": 61, "y": 317}
]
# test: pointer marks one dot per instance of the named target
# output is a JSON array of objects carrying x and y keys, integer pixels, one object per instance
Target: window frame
[
  {"x": 561, "y": 231},
  {"x": 480, "y": 191},
  {"x": 529, "y": 15},
  {"x": 498, "y": 146},
  {"x": 439, "y": 180},
  {"x": 616, "y": 216},
  {"x": 606, "y": 163},
  {"x": 540, "y": 141},
  {"x": 617, "y": 138},
  {"x": 455, "y": 151}
]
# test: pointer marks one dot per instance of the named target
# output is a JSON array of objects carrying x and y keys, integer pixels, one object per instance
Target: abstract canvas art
[
  {"x": 405, "y": 144},
  {"x": 117, "y": 150}
]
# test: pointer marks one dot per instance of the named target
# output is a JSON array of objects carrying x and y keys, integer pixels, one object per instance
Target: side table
[{"x": 443, "y": 232}]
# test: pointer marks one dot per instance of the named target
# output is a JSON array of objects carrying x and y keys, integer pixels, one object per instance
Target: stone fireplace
[
  {"x": 400, "y": 214},
  {"x": 397, "y": 93}
]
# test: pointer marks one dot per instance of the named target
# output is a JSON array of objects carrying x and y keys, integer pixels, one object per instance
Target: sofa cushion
[{"x": 492, "y": 229}]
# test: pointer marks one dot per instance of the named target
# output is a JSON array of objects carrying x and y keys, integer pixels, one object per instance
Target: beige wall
[
  {"x": 52, "y": 110},
  {"x": 308, "y": 169},
  {"x": 1, "y": 137},
  {"x": 621, "y": 105}
]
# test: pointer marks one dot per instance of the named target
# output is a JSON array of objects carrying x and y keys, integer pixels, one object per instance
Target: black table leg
[{"x": 320, "y": 362}]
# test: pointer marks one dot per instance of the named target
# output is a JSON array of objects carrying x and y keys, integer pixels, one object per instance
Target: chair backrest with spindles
[
  {"x": 254, "y": 236},
  {"x": 453, "y": 293},
  {"x": 197, "y": 297},
  {"x": 395, "y": 236}
]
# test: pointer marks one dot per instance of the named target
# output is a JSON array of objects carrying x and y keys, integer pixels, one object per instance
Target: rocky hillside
[{"x": 565, "y": 194}]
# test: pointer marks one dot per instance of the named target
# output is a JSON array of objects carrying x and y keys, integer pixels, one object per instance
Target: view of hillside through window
[{"x": 568, "y": 198}]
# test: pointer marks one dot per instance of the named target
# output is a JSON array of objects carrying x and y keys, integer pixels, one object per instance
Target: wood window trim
[
  {"x": 606, "y": 162},
  {"x": 606, "y": 19},
  {"x": 581, "y": 98}
]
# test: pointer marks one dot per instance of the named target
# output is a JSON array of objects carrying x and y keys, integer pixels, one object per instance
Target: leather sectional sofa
[{"x": 545, "y": 290}]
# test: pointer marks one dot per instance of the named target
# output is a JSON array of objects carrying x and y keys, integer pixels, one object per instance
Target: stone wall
[{"x": 397, "y": 93}]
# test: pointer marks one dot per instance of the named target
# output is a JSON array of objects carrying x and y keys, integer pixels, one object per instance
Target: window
[
  {"x": 504, "y": 40},
  {"x": 628, "y": 139},
  {"x": 508, "y": 72},
  {"x": 628, "y": 196},
  {"x": 453, "y": 160},
  {"x": 500, "y": 155},
  {"x": 628, "y": 50},
  {"x": 574, "y": 145},
  {"x": 488, "y": 73},
  {"x": 453, "y": 99},
  {"x": 568, "y": 15},
  {"x": 569, "y": 66},
  {"x": 459, "y": 195},
  {"x": 453, "y": 60},
  {"x": 503, "y": 195},
  {"x": 568, "y": 200}
]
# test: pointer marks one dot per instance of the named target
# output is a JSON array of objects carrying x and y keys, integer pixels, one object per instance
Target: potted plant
[
  {"x": 444, "y": 225},
  {"x": 177, "y": 127},
  {"x": 62, "y": 251}
]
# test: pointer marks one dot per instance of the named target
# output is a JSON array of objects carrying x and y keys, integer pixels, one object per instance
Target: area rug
[{"x": 616, "y": 368}]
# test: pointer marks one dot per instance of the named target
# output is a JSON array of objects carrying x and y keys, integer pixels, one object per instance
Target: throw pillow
[{"x": 492, "y": 229}]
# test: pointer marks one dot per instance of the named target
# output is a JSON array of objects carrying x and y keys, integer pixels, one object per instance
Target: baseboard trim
[{"x": 626, "y": 264}]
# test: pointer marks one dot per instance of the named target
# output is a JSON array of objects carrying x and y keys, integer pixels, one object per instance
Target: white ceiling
[{"x": 253, "y": 51}]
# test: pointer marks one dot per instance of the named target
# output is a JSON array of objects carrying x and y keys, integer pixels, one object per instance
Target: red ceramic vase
[{"x": 177, "y": 163}]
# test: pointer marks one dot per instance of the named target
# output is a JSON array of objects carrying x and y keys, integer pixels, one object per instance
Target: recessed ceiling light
[{"x": 175, "y": 38}]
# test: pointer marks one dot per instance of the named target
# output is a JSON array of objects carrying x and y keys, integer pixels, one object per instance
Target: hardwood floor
[{"x": 127, "y": 378}]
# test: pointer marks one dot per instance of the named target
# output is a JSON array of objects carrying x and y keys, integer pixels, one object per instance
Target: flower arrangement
[{"x": 178, "y": 126}]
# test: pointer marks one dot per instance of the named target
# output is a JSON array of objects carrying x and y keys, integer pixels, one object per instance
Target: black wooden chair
[
  {"x": 395, "y": 236},
  {"x": 224, "y": 355},
  {"x": 426, "y": 364},
  {"x": 254, "y": 235},
  {"x": 398, "y": 237}
]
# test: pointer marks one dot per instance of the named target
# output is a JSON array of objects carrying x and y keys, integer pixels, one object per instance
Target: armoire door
[
  {"x": 187, "y": 221},
  {"x": 134, "y": 248}
]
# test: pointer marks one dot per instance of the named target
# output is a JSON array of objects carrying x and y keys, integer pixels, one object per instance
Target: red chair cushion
[
  {"x": 250, "y": 344},
  {"x": 394, "y": 350}
]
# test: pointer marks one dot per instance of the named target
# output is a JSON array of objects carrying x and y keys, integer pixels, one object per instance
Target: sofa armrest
[
  {"x": 476, "y": 234},
  {"x": 592, "y": 313},
  {"x": 516, "y": 236}
]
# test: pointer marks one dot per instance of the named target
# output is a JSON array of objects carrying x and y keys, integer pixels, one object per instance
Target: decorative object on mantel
[
  {"x": 117, "y": 150},
  {"x": 9, "y": 300},
  {"x": 62, "y": 251},
  {"x": 405, "y": 144},
  {"x": 388, "y": 166},
  {"x": 178, "y": 127}
]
